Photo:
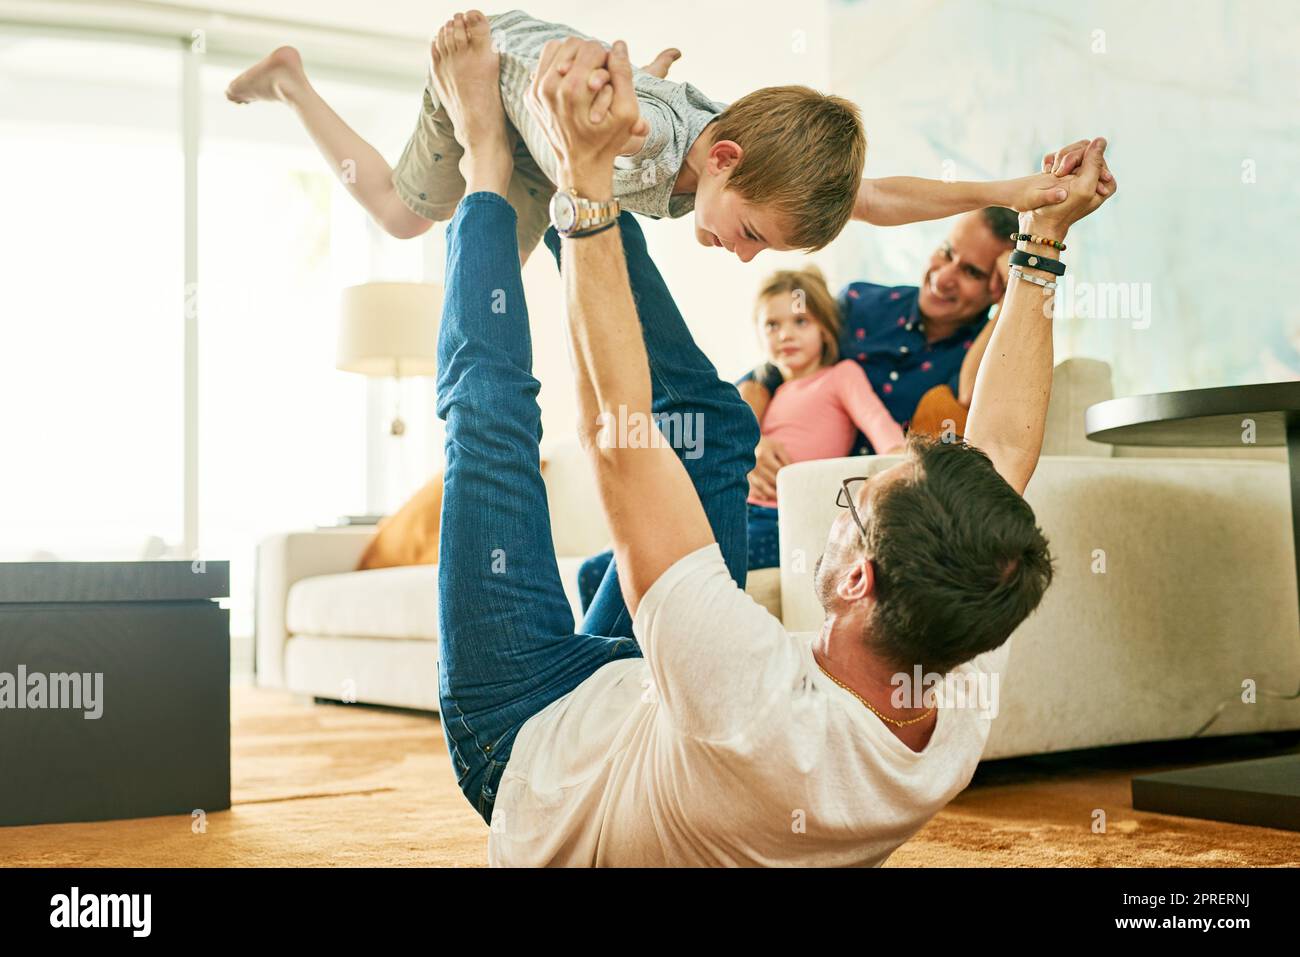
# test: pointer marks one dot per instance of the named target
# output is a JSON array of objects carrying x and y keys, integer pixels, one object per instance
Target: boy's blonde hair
[
  {"x": 809, "y": 296},
  {"x": 804, "y": 153}
]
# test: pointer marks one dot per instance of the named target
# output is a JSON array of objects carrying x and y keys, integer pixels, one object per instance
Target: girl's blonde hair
[{"x": 809, "y": 296}]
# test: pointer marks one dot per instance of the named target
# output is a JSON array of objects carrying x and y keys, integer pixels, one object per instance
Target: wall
[{"x": 1199, "y": 103}]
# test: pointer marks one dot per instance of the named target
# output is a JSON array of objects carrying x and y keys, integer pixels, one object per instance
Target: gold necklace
[{"x": 882, "y": 717}]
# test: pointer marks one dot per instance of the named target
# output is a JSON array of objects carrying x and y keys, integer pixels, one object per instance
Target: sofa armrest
[
  {"x": 283, "y": 560},
  {"x": 806, "y": 493}
]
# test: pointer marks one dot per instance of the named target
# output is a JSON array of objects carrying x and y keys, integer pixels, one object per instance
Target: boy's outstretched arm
[{"x": 897, "y": 200}]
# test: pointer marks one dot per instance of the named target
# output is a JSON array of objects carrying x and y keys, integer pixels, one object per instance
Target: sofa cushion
[
  {"x": 1076, "y": 384},
  {"x": 383, "y": 602},
  {"x": 400, "y": 674},
  {"x": 397, "y": 602},
  {"x": 410, "y": 535}
]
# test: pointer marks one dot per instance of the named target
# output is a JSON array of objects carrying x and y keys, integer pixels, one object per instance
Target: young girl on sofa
[
  {"x": 824, "y": 401},
  {"x": 816, "y": 413}
]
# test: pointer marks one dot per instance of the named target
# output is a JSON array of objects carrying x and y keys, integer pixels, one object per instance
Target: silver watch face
[{"x": 564, "y": 212}]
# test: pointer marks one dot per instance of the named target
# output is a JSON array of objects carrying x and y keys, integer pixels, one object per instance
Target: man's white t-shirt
[{"x": 725, "y": 745}]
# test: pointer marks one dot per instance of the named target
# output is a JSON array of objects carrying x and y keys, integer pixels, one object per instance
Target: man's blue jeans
[{"x": 507, "y": 642}]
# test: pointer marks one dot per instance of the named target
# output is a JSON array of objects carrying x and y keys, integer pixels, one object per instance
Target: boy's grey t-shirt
[{"x": 677, "y": 114}]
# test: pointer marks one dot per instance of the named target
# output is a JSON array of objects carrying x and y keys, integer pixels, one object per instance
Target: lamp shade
[{"x": 389, "y": 329}]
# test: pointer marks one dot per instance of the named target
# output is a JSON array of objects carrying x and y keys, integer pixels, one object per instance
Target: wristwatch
[{"x": 572, "y": 215}]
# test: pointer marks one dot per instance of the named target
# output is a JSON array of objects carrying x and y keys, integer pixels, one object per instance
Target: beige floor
[{"x": 318, "y": 785}]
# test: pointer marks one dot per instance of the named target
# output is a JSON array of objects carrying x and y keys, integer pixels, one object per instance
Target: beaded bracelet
[
  {"x": 1048, "y": 284},
  {"x": 1040, "y": 240}
]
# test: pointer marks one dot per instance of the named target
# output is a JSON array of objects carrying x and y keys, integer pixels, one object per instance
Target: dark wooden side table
[
  {"x": 114, "y": 690},
  {"x": 1265, "y": 792}
]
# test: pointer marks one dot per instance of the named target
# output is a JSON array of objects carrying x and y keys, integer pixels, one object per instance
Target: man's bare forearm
[
  {"x": 654, "y": 514},
  {"x": 612, "y": 371},
  {"x": 1014, "y": 382}
]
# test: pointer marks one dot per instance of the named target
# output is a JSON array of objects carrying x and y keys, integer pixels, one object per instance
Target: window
[
  {"x": 90, "y": 308},
  {"x": 282, "y": 433},
  {"x": 93, "y": 308}
]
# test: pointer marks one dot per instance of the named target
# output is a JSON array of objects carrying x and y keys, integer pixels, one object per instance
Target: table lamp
[{"x": 390, "y": 329}]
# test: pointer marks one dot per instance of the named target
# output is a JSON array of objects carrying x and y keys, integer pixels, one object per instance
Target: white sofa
[
  {"x": 325, "y": 630},
  {"x": 1198, "y": 593}
]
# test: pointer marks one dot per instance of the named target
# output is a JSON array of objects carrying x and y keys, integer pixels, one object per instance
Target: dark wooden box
[{"x": 157, "y": 635}]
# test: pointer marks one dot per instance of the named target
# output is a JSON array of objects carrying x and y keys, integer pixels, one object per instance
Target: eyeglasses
[{"x": 848, "y": 495}]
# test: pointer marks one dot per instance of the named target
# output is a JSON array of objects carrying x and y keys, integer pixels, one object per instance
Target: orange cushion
[
  {"x": 937, "y": 412},
  {"x": 410, "y": 535}
]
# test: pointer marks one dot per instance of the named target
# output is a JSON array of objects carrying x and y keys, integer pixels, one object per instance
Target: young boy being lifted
[{"x": 780, "y": 168}]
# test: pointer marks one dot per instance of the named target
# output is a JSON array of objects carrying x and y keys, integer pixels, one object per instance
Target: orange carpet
[{"x": 333, "y": 785}]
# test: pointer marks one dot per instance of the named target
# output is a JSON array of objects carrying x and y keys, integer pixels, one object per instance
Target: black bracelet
[
  {"x": 1032, "y": 261},
  {"x": 593, "y": 232}
]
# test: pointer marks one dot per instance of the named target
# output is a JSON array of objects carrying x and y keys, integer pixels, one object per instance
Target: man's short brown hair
[
  {"x": 803, "y": 156},
  {"x": 960, "y": 561}
]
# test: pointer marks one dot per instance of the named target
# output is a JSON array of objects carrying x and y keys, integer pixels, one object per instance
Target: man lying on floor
[{"x": 713, "y": 736}]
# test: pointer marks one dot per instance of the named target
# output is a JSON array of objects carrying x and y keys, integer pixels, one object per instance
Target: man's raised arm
[
  {"x": 1009, "y": 408},
  {"x": 651, "y": 505}
]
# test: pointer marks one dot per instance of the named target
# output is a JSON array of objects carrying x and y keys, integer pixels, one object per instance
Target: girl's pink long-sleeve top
[{"x": 816, "y": 417}]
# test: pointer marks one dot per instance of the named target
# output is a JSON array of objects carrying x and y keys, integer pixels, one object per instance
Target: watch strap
[
  {"x": 593, "y": 213},
  {"x": 593, "y": 231}
]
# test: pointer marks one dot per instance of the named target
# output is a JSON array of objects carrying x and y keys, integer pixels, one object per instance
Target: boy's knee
[
  {"x": 405, "y": 224},
  {"x": 392, "y": 214}
]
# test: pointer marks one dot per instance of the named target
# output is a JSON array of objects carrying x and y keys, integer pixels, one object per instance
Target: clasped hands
[
  {"x": 582, "y": 97},
  {"x": 1071, "y": 191}
]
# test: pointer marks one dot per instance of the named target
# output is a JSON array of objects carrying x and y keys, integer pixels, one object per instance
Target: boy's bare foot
[
  {"x": 466, "y": 77},
  {"x": 273, "y": 78},
  {"x": 660, "y": 64}
]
